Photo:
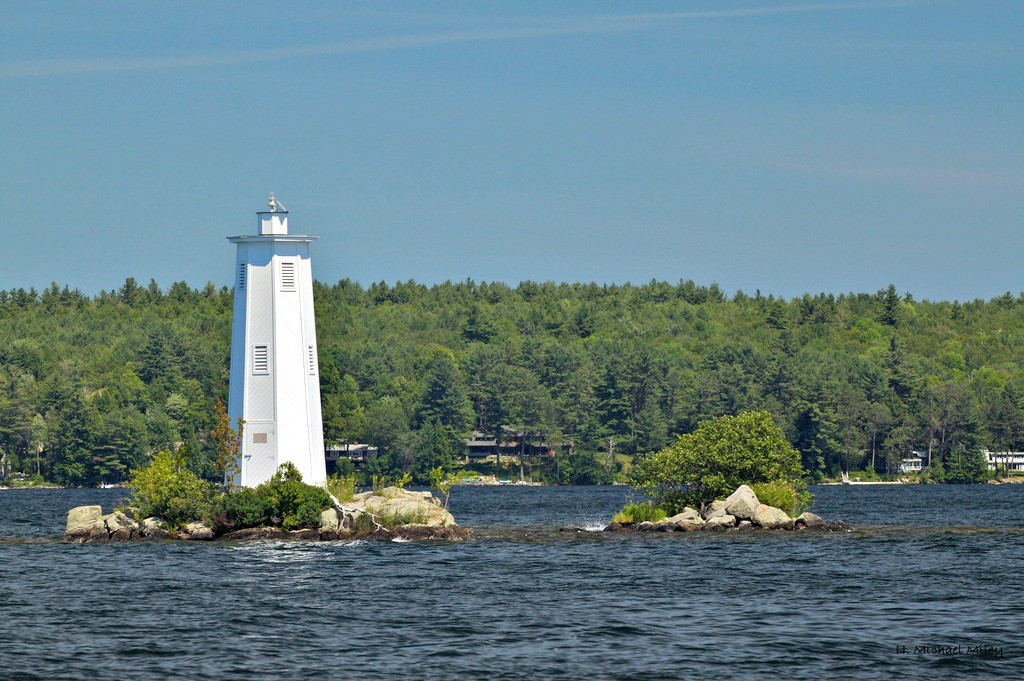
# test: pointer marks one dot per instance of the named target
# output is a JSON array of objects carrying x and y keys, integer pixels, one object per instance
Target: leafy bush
[
  {"x": 167, "y": 489},
  {"x": 791, "y": 497},
  {"x": 638, "y": 513},
  {"x": 343, "y": 487},
  {"x": 292, "y": 501},
  {"x": 714, "y": 460},
  {"x": 379, "y": 482},
  {"x": 239, "y": 509}
]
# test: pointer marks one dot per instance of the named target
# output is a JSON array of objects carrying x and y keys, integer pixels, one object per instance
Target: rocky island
[
  {"x": 741, "y": 510},
  {"x": 389, "y": 513}
]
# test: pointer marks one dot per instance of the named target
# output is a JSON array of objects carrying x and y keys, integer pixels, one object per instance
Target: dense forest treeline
[{"x": 90, "y": 387}]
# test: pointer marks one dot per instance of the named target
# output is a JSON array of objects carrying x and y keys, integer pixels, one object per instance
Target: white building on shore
[
  {"x": 275, "y": 381},
  {"x": 1012, "y": 462}
]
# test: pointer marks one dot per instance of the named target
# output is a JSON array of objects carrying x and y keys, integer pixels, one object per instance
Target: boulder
[
  {"x": 689, "y": 519},
  {"x": 398, "y": 506},
  {"x": 349, "y": 517},
  {"x": 742, "y": 503},
  {"x": 154, "y": 527},
  {"x": 197, "y": 531},
  {"x": 120, "y": 527},
  {"x": 85, "y": 523},
  {"x": 745, "y": 525},
  {"x": 721, "y": 522},
  {"x": 646, "y": 526},
  {"x": 771, "y": 518},
  {"x": 715, "y": 509},
  {"x": 810, "y": 521},
  {"x": 329, "y": 521}
]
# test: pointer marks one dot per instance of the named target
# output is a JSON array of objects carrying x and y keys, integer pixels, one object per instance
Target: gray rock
[
  {"x": 721, "y": 522},
  {"x": 85, "y": 523},
  {"x": 742, "y": 503},
  {"x": 771, "y": 518},
  {"x": 399, "y": 506},
  {"x": 715, "y": 509},
  {"x": 198, "y": 531},
  {"x": 348, "y": 518},
  {"x": 689, "y": 519},
  {"x": 329, "y": 521},
  {"x": 810, "y": 521},
  {"x": 120, "y": 527},
  {"x": 154, "y": 527}
]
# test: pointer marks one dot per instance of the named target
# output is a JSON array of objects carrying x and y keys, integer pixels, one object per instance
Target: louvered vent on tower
[
  {"x": 287, "y": 276},
  {"x": 260, "y": 360},
  {"x": 241, "y": 276},
  {"x": 311, "y": 360}
]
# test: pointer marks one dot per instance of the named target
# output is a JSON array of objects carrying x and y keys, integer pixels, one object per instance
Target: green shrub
[
  {"x": 240, "y": 509},
  {"x": 343, "y": 487},
  {"x": 791, "y": 497},
  {"x": 167, "y": 489},
  {"x": 294, "y": 503},
  {"x": 711, "y": 462},
  {"x": 638, "y": 513},
  {"x": 419, "y": 517}
]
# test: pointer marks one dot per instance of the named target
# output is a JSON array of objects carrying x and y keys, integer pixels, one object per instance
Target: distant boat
[{"x": 108, "y": 485}]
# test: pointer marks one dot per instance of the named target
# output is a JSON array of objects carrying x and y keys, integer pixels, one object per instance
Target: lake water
[{"x": 926, "y": 566}]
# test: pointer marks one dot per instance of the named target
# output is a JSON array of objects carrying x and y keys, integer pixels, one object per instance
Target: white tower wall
[{"x": 275, "y": 382}]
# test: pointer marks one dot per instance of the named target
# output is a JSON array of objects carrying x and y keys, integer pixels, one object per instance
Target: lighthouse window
[
  {"x": 311, "y": 360},
  {"x": 287, "y": 276},
  {"x": 241, "y": 276},
  {"x": 260, "y": 360}
]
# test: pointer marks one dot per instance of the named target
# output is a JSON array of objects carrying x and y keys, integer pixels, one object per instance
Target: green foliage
[
  {"x": 379, "y": 482},
  {"x": 167, "y": 489},
  {"x": 434, "y": 446},
  {"x": 964, "y": 468},
  {"x": 228, "y": 443},
  {"x": 790, "y": 496},
  {"x": 639, "y": 513},
  {"x": 719, "y": 456},
  {"x": 241, "y": 508},
  {"x": 91, "y": 386},
  {"x": 343, "y": 487},
  {"x": 582, "y": 468},
  {"x": 403, "y": 518},
  {"x": 443, "y": 482},
  {"x": 294, "y": 503}
]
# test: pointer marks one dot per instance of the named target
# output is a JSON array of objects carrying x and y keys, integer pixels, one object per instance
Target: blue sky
[{"x": 780, "y": 146}]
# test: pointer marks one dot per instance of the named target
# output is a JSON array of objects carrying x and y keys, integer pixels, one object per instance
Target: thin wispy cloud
[
  {"x": 919, "y": 178},
  {"x": 589, "y": 25}
]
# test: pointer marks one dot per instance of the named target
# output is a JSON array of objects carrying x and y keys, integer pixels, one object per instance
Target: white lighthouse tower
[{"x": 275, "y": 383}]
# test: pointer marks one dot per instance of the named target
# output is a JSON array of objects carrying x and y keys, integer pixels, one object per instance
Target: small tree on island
[
  {"x": 228, "y": 442},
  {"x": 165, "y": 488},
  {"x": 722, "y": 454}
]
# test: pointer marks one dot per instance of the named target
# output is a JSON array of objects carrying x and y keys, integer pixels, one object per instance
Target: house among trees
[
  {"x": 355, "y": 452},
  {"x": 1011, "y": 462},
  {"x": 911, "y": 464},
  {"x": 514, "y": 443}
]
